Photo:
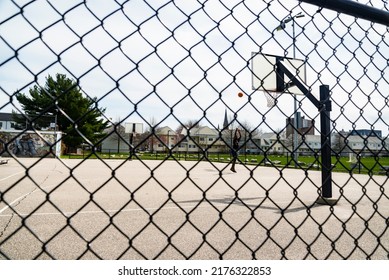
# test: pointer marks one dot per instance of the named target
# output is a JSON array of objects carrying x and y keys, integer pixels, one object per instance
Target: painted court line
[
  {"x": 108, "y": 211},
  {"x": 15, "y": 201},
  {"x": 10, "y": 176},
  {"x": 20, "y": 198}
]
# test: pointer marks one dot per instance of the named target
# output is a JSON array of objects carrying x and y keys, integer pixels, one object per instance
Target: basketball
[{"x": 240, "y": 94}]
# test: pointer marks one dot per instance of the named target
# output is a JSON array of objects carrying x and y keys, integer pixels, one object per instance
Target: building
[
  {"x": 310, "y": 145},
  {"x": 360, "y": 141},
  {"x": 366, "y": 146},
  {"x": 212, "y": 140},
  {"x": 253, "y": 145},
  {"x": 165, "y": 139},
  {"x": 116, "y": 141},
  {"x": 366, "y": 132},
  {"x": 225, "y": 121},
  {"x": 271, "y": 144},
  {"x": 7, "y": 122},
  {"x": 202, "y": 138},
  {"x": 304, "y": 126}
]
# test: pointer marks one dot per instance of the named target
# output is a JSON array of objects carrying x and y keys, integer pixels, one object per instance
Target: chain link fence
[{"x": 144, "y": 171}]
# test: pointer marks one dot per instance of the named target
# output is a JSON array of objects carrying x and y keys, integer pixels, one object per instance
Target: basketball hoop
[
  {"x": 271, "y": 98},
  {"x": 270, "y": 79}
]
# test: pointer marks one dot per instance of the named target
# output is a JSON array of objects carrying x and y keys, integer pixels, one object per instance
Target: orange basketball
[{"x": 240, "y": 94}]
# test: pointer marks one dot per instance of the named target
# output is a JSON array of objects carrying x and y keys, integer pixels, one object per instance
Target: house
[
  {"x": 200, "y": 138},
  {"x": 253, "y": 145},
  {"x": 271, "y": 143},
  {"x": 46, "y": 122},
  {"x": 165, "y": 138},
  {"x": 205, "y": 138},
  {"x": 310, "y": 144},
  {"x": 7, "y": 122},
  {"x": 116, "y": 141},
  {"x": 365, "y": 146}
]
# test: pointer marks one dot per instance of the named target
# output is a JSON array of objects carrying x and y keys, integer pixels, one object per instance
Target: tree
[
  {"x": 339, "y": 143},
  {"x": 250, "y": 135},
  {"x": 61, "y": 99},
  {"x": 148, "y": 138},
  {"x": 190, "y": 124}
]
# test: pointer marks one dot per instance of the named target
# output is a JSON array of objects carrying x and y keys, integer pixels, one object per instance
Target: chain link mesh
[{"x": 168, "y": 193}]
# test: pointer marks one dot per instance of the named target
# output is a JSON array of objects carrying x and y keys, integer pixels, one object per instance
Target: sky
[{"x": 188, "y": 59}]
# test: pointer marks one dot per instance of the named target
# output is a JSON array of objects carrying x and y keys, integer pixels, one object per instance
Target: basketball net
[{"x": 271, "y": 98}]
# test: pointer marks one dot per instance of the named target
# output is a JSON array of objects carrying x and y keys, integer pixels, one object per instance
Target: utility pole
[{"x": 282, "y": 26}]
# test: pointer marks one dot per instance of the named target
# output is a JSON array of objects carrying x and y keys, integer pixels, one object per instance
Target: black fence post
[{"x": 325, "y": 131}]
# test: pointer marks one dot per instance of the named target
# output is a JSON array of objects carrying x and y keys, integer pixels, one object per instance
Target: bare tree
[
  {"x": 148, "y": 137},
  {"x": 188, "y": 124},
  {"x": 250, "y": 135},
  {"x": 339, "y": 143}
]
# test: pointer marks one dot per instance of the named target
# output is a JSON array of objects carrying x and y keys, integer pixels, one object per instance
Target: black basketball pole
[
  {"x": 353, "y": 8},
  {"x": 325, "y": 131},
  {"x": 324, "y": 107}
]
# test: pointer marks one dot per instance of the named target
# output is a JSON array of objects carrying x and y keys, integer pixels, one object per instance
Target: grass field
[{"x": 368, "y": 165}]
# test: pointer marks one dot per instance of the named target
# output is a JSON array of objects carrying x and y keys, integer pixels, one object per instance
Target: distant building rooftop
[{"x": 366, "y": 132}]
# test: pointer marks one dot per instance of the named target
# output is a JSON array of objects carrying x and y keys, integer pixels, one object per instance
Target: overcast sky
[{"x": 187, "y": 59}]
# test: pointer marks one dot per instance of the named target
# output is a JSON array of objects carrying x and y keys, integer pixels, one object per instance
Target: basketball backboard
[
  {"x": 267, "y": 77},
  {"x": 133, "y": 127}
]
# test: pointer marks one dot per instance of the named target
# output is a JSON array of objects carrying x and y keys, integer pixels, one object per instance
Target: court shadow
[{"x": 249, "y": 202}]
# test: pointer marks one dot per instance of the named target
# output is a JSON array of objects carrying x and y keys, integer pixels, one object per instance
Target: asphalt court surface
[{"x": 70, "y": 209}]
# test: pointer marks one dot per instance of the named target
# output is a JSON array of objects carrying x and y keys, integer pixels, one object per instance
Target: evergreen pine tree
[{"x": 77, "y": 116}]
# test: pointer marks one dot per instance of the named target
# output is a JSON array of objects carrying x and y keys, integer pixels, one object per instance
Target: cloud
[{"x": 189, "y": 59}]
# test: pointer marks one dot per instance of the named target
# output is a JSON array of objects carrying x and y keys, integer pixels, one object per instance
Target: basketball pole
[
  {"x": 353, "y": 8},
  {"x": 324, "y": 106},
  {"x": 325, "y": 132}
]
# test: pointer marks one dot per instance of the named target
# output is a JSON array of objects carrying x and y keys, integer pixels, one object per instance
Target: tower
[{"x": 225, "y": 122}]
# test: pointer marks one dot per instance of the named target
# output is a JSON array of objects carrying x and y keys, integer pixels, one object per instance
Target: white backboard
[
  {"x": 133, "y": 127},
  {"x": 264, "y": 72}
]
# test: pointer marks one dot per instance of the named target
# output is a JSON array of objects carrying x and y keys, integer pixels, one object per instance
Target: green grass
[{"x": 369, "y": 165}]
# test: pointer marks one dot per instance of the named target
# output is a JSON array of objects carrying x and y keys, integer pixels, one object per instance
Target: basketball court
[
  {"x": 118, "y": 209},
  {"x": 70, "y": 209}
]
